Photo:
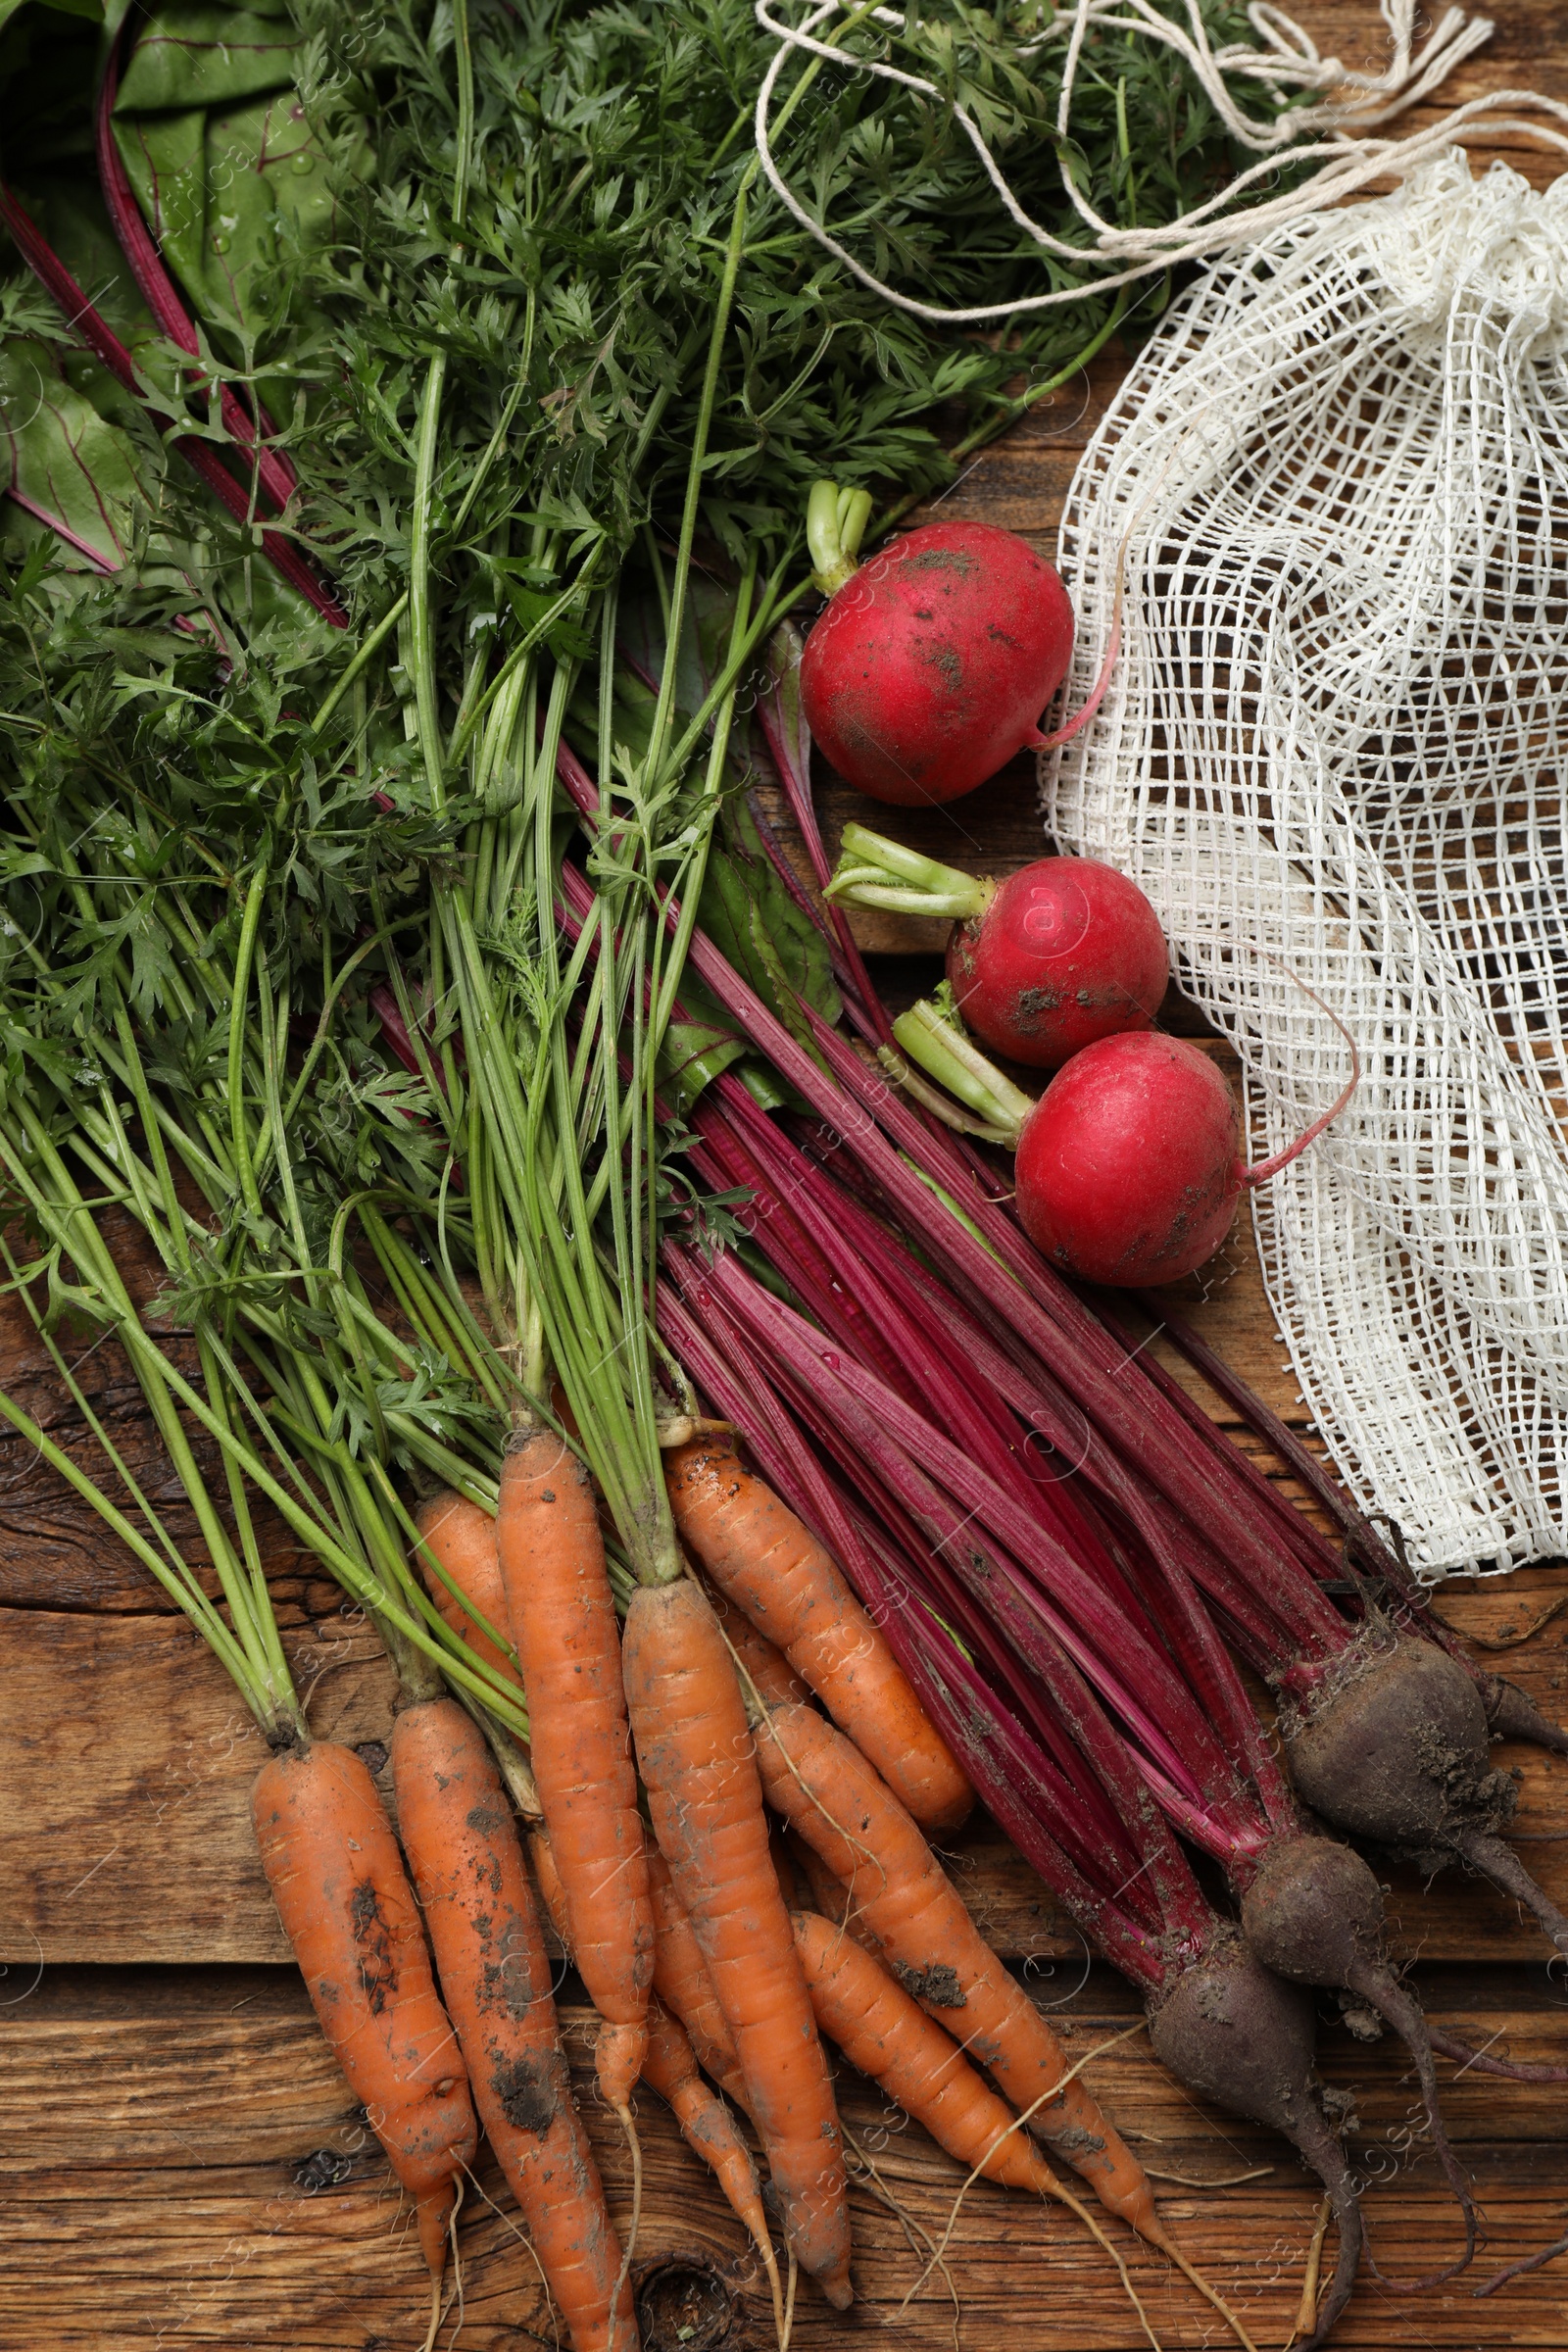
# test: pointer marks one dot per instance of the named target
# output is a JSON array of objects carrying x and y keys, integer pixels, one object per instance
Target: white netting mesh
[{"x": 1337, "y": 739}]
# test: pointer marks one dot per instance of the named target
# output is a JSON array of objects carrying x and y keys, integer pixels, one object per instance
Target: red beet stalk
[
  {"x": 275, "y": 473},
  {"x": 106, "y": 347}
]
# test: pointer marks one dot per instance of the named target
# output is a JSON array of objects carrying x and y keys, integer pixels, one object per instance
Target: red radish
[
  {"x": 934, "y": 661},
  {"x": 1129, "y": 1167},
  {"x": 1057, "y": 956}
]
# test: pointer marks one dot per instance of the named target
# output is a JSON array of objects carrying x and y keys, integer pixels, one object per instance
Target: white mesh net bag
[{"x": 1337, "y": 747}]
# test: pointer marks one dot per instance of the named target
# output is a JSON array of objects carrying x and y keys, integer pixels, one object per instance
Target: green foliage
[{"x": 486, "y": 332}]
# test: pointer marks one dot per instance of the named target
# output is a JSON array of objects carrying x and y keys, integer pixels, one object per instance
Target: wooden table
[{"x": 182, "y": 2163}]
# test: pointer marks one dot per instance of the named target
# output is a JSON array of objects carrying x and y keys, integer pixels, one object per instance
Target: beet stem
[{"x": 274, "y": 470}]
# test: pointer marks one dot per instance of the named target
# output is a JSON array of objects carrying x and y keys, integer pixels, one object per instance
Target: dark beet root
[
  {"x": 1244, "y": 2036},
  {"x": 1314, "y": 1913},
  {"x": 1391, "y": 1744},
  {"x": 1512, "y": 1715},
  {"x": 1487, "y": 2062}
]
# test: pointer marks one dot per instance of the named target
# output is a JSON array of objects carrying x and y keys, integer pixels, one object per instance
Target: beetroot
[
  {"x": 1130, "y": 1165},
  {"x": 1313, "y": 1913},
  {"x": 1389, "y": 1742},
  {"x": 934, "y": 661},
  {"x": 1061, "y": 953},
  {"x": 1240, "y": 2034}
]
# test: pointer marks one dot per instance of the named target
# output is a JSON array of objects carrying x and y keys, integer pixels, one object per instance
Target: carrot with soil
[
  {"x": 460, "y": 1564},
  {"x": 563, "y": 1616},
  {"x": 770, "y": 1566},
  {"x": 467, "y": 1867},
  {"x": 670, "y": 2067},
  {"x": 682, "y": 1983},
  {"x": 325, "y": 1842},
  {"x": 351, "y": 1918},
  {"x": 883, "y": 2030},
  {"x": 827, "y": 1792},
  {"x": 904, "y": 1899},
  {"x": 695, "y": 1752}
]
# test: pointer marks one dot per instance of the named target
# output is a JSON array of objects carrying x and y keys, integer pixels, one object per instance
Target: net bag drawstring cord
[{"x": 1344, "y": 158}]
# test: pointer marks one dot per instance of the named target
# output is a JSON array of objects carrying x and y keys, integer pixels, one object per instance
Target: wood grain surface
[{"x": 181, "y": 2162}]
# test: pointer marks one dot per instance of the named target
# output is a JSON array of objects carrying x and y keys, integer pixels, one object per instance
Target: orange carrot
[
  {"x": 698, "y": 1766},
  {"x": 349, "y": 1912},
  {"x": 563, "y": 1620},
  {"x": 461, "y": 1539},
  {"x": 828, "y": 1792},
  {"x": 707, "y": 2123},
  {"x": 763, "y": 1662},
  {"x": 827, "y": 1896},
  {"x": 771, "y": 1566},
  {"x": 884, "y": 2032},
  {"x": 684, "y": 1985},
  {"x": 670, "y": 2068},
  {"x": 467, "y": 1866}
]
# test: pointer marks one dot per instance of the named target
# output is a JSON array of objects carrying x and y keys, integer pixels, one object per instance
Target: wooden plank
[
  {"x": 127, "y": 1756},
  {"x": 170, "y": 2116},
  {"x": 128, "y": 1760}
]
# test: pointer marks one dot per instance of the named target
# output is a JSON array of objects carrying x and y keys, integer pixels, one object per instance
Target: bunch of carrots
[{"x": 476, "y": 1362}]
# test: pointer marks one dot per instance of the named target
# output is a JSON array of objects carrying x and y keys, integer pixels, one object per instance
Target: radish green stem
[
  {"x": 834, "y": 524},
  {"x": 876, "y": 871},
  {"x": 944, "y": 1052}
]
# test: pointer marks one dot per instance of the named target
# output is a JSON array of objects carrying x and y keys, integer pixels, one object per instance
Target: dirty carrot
[
  {"x": 760, "y": 1661},
  {"x": 350, "y": 1914},
  {"x": 770, "y": 1564},
  {"x": 670, "y": 2067},
  {"x": 828, "y": 1896},
  {"x": 827, "y": 1791},
  {"x": 695, "y": 1752},
  {"x": 707, "y": 2127},
  {"x": 458, "y": 1548},
  {"x": 467, "y": 1867},
  {"x": 682, "y": 1983},
  {"x": 563, "y": 1620},
  {"x": 884, "y": 2032}
]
